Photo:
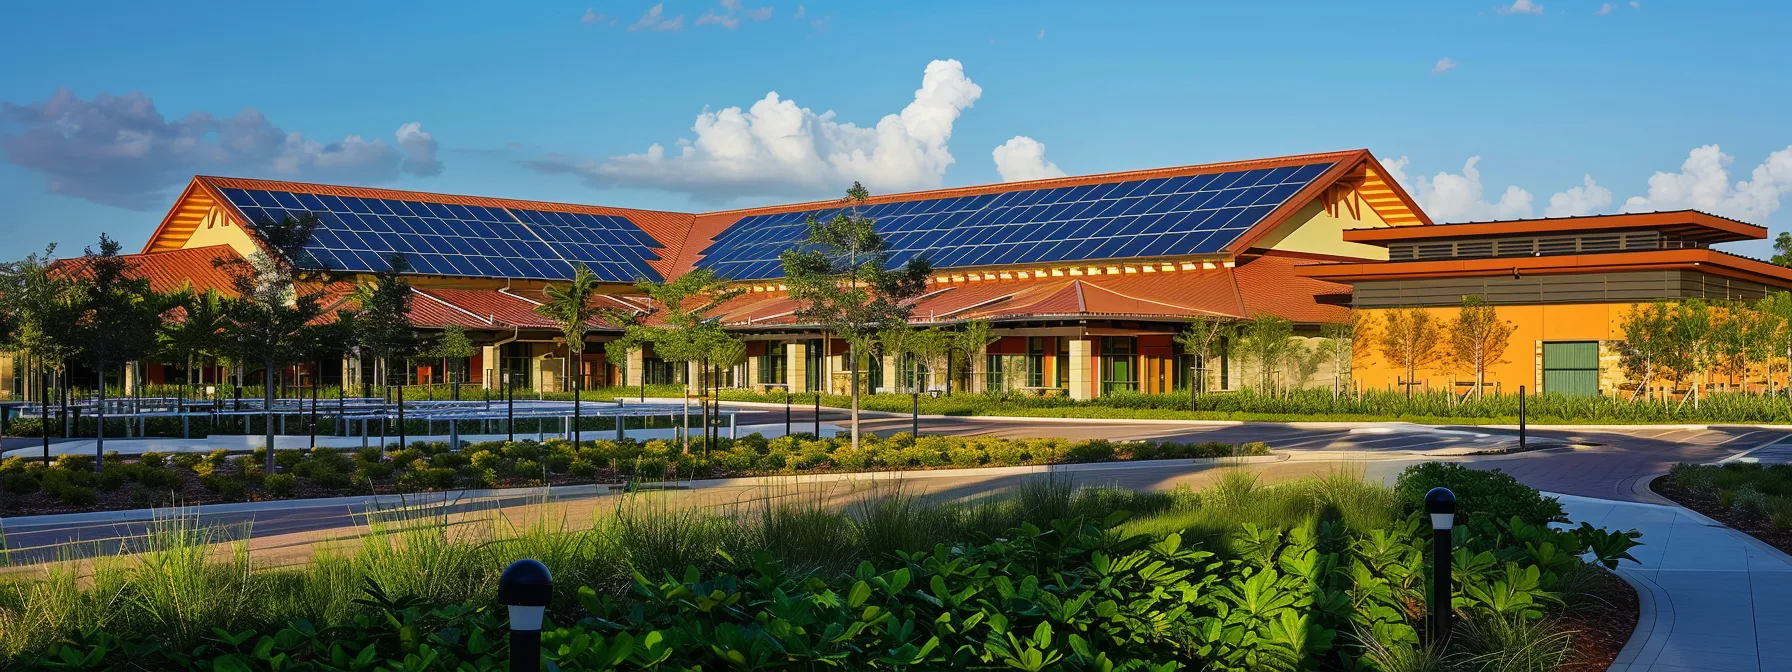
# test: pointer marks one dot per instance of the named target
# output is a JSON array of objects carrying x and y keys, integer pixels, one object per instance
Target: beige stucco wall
[{"x": 1312, "y": 230}]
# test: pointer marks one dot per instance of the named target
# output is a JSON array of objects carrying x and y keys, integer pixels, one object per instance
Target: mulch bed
[
  {"x": 1708, "y": 505},
  {"x": 1602, "y": 623}
]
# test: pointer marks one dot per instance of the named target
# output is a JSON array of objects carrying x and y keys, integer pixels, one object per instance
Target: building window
[
  {"x": 1187, "y": 371},
  {"x": 915, "y": 374},
  {"x": 993, "y": 378},
  {"x": 815, "y": 360},
  {"x": 773, "y": 367},
  {"x": 1035, "y": 361},
  {"x": 514, "y": 359},
  {"x": 662, "y": 372},
  {"x": 1119, "y": 364}
]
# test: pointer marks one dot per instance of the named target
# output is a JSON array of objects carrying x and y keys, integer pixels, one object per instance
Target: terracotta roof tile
[
  {"x": 170, "y": 271},
  {"x": 1269, "y": 285}
]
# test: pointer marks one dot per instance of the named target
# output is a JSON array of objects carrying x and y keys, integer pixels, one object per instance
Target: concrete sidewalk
[{"x": 1713, "y": 599}]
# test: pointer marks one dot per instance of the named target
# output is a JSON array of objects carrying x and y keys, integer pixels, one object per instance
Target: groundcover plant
[
  {"x": 1317, "y": 573},
  {"x": 70, "y": 482}
]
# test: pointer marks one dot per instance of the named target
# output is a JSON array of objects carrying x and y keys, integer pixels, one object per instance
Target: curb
[{"x": 1655, "y": 613}]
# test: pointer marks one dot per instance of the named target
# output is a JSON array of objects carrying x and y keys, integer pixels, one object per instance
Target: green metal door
[{"x": 1571, "y": 367}]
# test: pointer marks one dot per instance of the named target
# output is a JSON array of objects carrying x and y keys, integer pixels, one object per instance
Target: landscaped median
[
  {"x": 1318, "y": 573},
  {"x": 29, "y": 487},
  {"x": 1751, "y": 497}
]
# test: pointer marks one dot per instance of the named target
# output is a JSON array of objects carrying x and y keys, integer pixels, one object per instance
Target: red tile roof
[{"x": 171, "y": 271}]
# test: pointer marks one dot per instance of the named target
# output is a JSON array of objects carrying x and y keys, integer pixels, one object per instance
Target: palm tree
[
  {"x": 569, "y": 306},
  {"x": 200, "y": 331}
]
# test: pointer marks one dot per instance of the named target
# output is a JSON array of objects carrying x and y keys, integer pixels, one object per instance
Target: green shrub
[
  {"x": 113, "y": 478},
  {"x": 159, "y": 479},
  {"x": 1748, "y": 502},
  {"x": 78, "y": 496},
  {"x": 1481, "y": 495},
  {"x": 70, "y": 462},
  {"x": 153, "y": 460},
  {"x": 188, "y": 460},
  {"x": 278, "y": 486},
  {"x": 19, "y": 483}
]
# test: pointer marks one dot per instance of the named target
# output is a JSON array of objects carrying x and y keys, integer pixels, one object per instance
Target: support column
[
  {"x": 494, "y": 374},
  {"x": 753, "y": 373},
  {"x": 129, "y": 378},
  {"x": 891, "y": 381},
  {"x": 1082, "y": 385},
  {"x": 796, "y": 366},
  {"x": 837, "y": 367},
  {"x": 693, "y": 374},
  {"x": 637, "y": 366}
]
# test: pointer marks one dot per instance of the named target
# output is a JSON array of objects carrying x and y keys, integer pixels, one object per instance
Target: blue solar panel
[
  {"x": 361, "y": 234},
  {"x": 1165, "y": 216}
]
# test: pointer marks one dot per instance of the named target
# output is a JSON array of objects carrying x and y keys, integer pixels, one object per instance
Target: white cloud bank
[
  {"x": 120, "y": 151},
  {"x": 1023, "y": 158},
  {"x": 776, "y": 148},
  {"x": 1703, "y": 184}
]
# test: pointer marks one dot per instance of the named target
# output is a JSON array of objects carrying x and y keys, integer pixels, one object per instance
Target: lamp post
[
  {"x": 1440, "y": 503},
  {"x": 525, "y": 588},
  {"x": 818, "y": 415}
]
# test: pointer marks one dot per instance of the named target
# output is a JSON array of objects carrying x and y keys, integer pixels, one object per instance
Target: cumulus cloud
[
  {"x": 1520, "y": 7},
  {"x": 1023, "y": 158},
  {"x": 655, "y": 19},
  {"x": 1444, "y": 65},
  {"x": 1459, "y": 197},
  {"x": 120, "y": 151},
  {"x": 1703, "y": 183},
  {"x": 733, "y": 11},
  {"x": 592, "y": 16},
  {"x": 776, "y": 148},
  {"x": 1587, "y": 199},
  {"x": 1041, "y": 34},
  {"x": 800, "y": 12},
  {"x": 1604, "y": 9}
]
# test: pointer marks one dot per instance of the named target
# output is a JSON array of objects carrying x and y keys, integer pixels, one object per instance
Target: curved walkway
[{"x": 1713, "y": 599}]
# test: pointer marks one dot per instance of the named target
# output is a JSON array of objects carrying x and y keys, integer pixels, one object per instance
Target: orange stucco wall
[{"x": 1521, "y": 363}]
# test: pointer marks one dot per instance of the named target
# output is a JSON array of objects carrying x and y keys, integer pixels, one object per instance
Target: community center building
[{"x": 1086, "y": 280}]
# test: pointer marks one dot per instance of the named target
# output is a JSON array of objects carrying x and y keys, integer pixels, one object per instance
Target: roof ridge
[
  {"x": 1124, "y": 295},
  {"x": 218, "y": 181}
]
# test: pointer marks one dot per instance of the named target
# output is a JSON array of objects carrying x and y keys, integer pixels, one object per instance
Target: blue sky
[{"x": 538, "y": 100}]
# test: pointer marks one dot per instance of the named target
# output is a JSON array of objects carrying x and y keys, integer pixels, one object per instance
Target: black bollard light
[
  {"x": 1441, "y": 504},
  {"x": 1521, "y": 418},
  {"x": 786, "y": 419},
  {"x": 525, "y": 588},
  {"x": 818, "y": 415}
]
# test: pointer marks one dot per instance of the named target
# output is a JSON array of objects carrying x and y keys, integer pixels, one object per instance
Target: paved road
[{"x": 1603, "y": 464}]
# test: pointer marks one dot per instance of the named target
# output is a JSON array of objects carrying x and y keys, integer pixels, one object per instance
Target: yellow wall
[
  {"x": 1521, "y": 363},
  {"x": 217, "y": 229},
  {"x": 1313, "y": 230}
]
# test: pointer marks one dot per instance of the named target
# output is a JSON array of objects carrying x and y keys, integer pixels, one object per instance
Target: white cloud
[
  {"x": 592, "y": 16},
  {"x": 121, "y": 151},
  {"x": 1604, "y": 9},
  {"x": 1703, "y": 183},
  {"x": 1023, "y": 158},
  {"x": 775, "y": 147},
  {"x": 1444, "y": 65},
  {"x": 1450, "y": 197},
  {"x": 1587, "y": 199},
  {"x": 655, "y": 19},
  {"x": 1520, "y": 7},
  {"x": 419, "y": 150},
  {"x": 1041, "y": 34},
  {"x": 732, "y": 13},
  {"x": 800, "y": 12}
]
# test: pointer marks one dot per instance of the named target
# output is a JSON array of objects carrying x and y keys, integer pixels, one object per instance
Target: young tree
[
  {"x": 118, "y": 320},
  {"x": 841, "y": 279},
  {"x": 897, "y": 341},
  {"x": 1782, "y": 250},
  {"x": 1266, "y": 339},
  {"x": 383, "y": 330},
  {"x": 1341, "y": 345},
  {"x": 41, "y": 308},
  {"x": 450, "y": 345},
  {"x": 198, "y": 332},
  {"x": 1201, "y": 339},
  {"x": 1303, "y": 361},
  {"x": 686, "y": 330},
  {"x": 970, "y": 340},
  {"x": 1776, "y": 312},
  {"x": 1648, "y": 343},
  {"x": 279, "y": 288},
  {"x": 1478, "y": 338},
  {"x": 572, "y": 307},
  {"x": 1410, "y": 341},
  {"x": 1694, "y": 345}
]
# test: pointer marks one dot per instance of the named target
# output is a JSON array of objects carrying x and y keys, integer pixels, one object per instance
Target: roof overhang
[
  {"x": 1708, "y": 261},
  {"x": 1681, "y": 224}
]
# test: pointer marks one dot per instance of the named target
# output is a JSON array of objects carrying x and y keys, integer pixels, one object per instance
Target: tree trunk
[
  {"x": 267, "y": 400},
  {"x": 852, "y": 352},
  {"x": 99, "y": 432}
]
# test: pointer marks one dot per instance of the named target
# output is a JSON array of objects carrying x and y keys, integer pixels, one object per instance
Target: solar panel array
[
  {"x": 1166, "y": 216},
  {"x": 361, "y": 234}
]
